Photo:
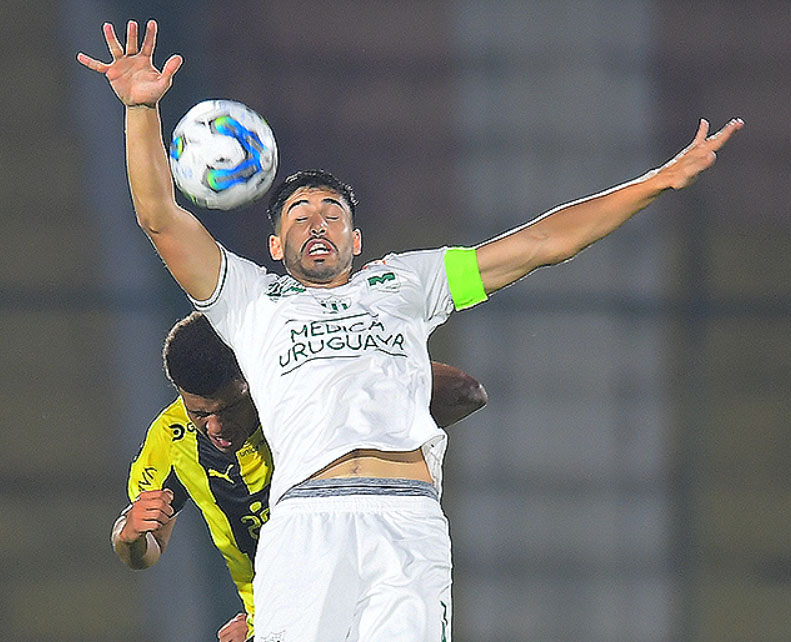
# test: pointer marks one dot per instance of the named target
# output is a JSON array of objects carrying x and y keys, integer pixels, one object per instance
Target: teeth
[{"x": 318, "y": 248}]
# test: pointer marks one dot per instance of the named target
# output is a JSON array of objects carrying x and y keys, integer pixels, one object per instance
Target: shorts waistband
[{"x": 342, "y": 486}]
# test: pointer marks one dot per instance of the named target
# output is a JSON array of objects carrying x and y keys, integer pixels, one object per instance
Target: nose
[
  {"x": 213, "y": 423},
  {"x": 318, "y": 226}
]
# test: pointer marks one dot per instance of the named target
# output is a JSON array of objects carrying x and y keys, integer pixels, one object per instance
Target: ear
[
  {"x": 275, "y": 248},
  {"x": 357, "y": 242}
]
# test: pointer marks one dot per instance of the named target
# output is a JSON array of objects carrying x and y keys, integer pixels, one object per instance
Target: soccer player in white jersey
[{"x": 356, "y": 547}]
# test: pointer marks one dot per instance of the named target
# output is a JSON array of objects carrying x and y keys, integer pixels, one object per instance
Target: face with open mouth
[
  {"x": 316, "y": 240},
  {"x": 227, "y": 418}
]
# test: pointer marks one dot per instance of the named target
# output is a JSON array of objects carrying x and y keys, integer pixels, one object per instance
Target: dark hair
[
  {"x": 307, "y": 178},
  {"x": 196, "y": 359}
]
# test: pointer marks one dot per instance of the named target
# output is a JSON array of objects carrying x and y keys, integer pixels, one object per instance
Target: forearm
[
  {"x": 574, "y": 226},
  {"x": 150, "y": 180},
  {"x": 189, "y": 251},
  {"x": 137, "y": 553},
  {"x": 564, "y": 231}
]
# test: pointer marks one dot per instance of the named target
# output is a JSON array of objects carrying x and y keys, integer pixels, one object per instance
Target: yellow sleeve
[
  {"x": 153, "y": 464},
  {"x": 464, "y": 277}
]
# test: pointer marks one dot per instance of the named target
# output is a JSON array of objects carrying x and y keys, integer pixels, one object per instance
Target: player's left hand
[
  {"x": 235, "y": 630},
  {"x": 699, "y": 155}
]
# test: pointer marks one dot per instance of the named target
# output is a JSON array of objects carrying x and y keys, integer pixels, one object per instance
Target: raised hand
[
  {"x": 699, "y": 155},
  {"x": 151, "y": 511},
  {"x": 132, "y": 74}
]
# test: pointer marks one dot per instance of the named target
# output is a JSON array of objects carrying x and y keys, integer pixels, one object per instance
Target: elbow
[
  {"x": 469, "y": 396},
  {"x": 455, "y": 395},
  {"x": 144, "y": 220},
  {"x": 474, "y": 394},
  {"x": 148, "y": 222}
]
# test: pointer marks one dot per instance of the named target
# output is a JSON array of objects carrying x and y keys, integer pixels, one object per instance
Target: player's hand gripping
[
  {"x": 149, "y": 512},
  {"x": 235, "y": 630},
  {"x": 682, "y": 170},
  {"x": 132, "y": 74}
]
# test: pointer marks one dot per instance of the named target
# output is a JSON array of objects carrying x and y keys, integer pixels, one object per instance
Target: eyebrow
[
  {"x": 295, "y": 203},
  {"x": 326, "y": 199}
]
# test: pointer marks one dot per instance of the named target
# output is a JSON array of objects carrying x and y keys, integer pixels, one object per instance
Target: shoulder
[
  {"x": 171, "y": 424},
  {"x": 239, "y": 276},
  {"x": 411, "y": 261},
  {"x": 174, "y": 413}
]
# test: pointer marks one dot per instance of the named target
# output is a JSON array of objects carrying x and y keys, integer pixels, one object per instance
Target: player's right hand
[
  {"x": 149, "y": 512},
  {"x": 132, "y": 74}
]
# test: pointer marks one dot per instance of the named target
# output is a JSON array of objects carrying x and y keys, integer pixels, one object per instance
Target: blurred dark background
[{"x": 630, "y": 479}]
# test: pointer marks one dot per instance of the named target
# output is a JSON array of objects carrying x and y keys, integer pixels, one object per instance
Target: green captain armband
[{"x": 464, "y": 277}]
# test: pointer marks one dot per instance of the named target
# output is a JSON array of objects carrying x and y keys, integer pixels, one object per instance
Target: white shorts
[{"x": 358, "y": 560}]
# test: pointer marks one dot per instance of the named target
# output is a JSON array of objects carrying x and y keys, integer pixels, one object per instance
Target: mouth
[
  {"x": 219, "y": 441},
  {"x": 318, "y": 248}
]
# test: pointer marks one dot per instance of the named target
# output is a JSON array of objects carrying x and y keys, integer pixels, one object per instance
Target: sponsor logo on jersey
[
  {"x": 258, "y": 515},
  {"x": 179, "y": 430},
  {"x": 226, "y": 475},
  {"x": 275, "y": 637},
  {"x": 254, "y": 444},
  {"x": 348, "y": 336},
  {"x": 146, "y": 478},
  {"x": 386, "y": 281},
  {"x": 284, "y": 286}
]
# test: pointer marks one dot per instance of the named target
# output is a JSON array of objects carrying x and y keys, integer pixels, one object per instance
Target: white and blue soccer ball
[{"x": 223, "y": 155}]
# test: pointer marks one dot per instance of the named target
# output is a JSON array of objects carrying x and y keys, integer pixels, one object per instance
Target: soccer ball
[{"x": 223, "y": 155}]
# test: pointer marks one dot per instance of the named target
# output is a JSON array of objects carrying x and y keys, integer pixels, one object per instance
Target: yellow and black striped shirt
[{"x": 231, "y": 491}]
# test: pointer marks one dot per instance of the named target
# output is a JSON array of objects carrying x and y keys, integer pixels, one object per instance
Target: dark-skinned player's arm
[
  {"x": 186, "y": 247},
  {"x": 561, "y": 233},
  {"x": 142, "y": 531},
  {"x": 454, "y": 394}
]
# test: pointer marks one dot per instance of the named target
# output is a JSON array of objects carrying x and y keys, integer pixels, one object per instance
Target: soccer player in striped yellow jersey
[{"x": 208, "y": 446}]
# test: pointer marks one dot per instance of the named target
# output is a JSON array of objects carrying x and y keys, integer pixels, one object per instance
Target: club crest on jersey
[
  {"x": 333, "y": 305},
  {"x": 385, "y": 281}
]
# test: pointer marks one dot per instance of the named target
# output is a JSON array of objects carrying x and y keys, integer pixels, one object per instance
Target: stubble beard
[{"x": 319, "y": 274}]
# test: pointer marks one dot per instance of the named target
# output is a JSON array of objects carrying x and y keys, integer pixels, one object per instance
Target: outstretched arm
[
  {"x": 561, "y": 233},
  {"x": 187, "y": 248},
  {"x": 454, "y": 395}
]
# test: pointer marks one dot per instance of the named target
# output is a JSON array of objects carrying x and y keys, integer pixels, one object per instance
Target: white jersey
[{"x": 332, "y": 370}]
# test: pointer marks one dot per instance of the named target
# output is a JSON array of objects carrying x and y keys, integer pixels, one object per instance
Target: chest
[{"x": 378, "y": 313}]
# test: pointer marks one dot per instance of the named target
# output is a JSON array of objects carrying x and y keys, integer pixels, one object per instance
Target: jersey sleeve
[
  {"x": 152, "y": 468},
  {"x": 239, "y": 281},
  {"x": 449, "y": 277}
]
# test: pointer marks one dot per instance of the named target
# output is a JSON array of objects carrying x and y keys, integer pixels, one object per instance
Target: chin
[{"x": 320, "y": 274}]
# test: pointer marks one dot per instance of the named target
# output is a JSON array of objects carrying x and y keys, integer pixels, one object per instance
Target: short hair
[
  {"x": 307, "y": 178},
  {"x": 195, "y": 358}
]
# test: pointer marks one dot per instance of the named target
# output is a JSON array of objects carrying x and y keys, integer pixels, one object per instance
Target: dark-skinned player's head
[
  {"x": 196, "y": 359},
  {"x": 213, "y": 390}
]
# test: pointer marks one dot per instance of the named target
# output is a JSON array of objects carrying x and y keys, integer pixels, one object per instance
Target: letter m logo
[{"x": 386, "y": 281}]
